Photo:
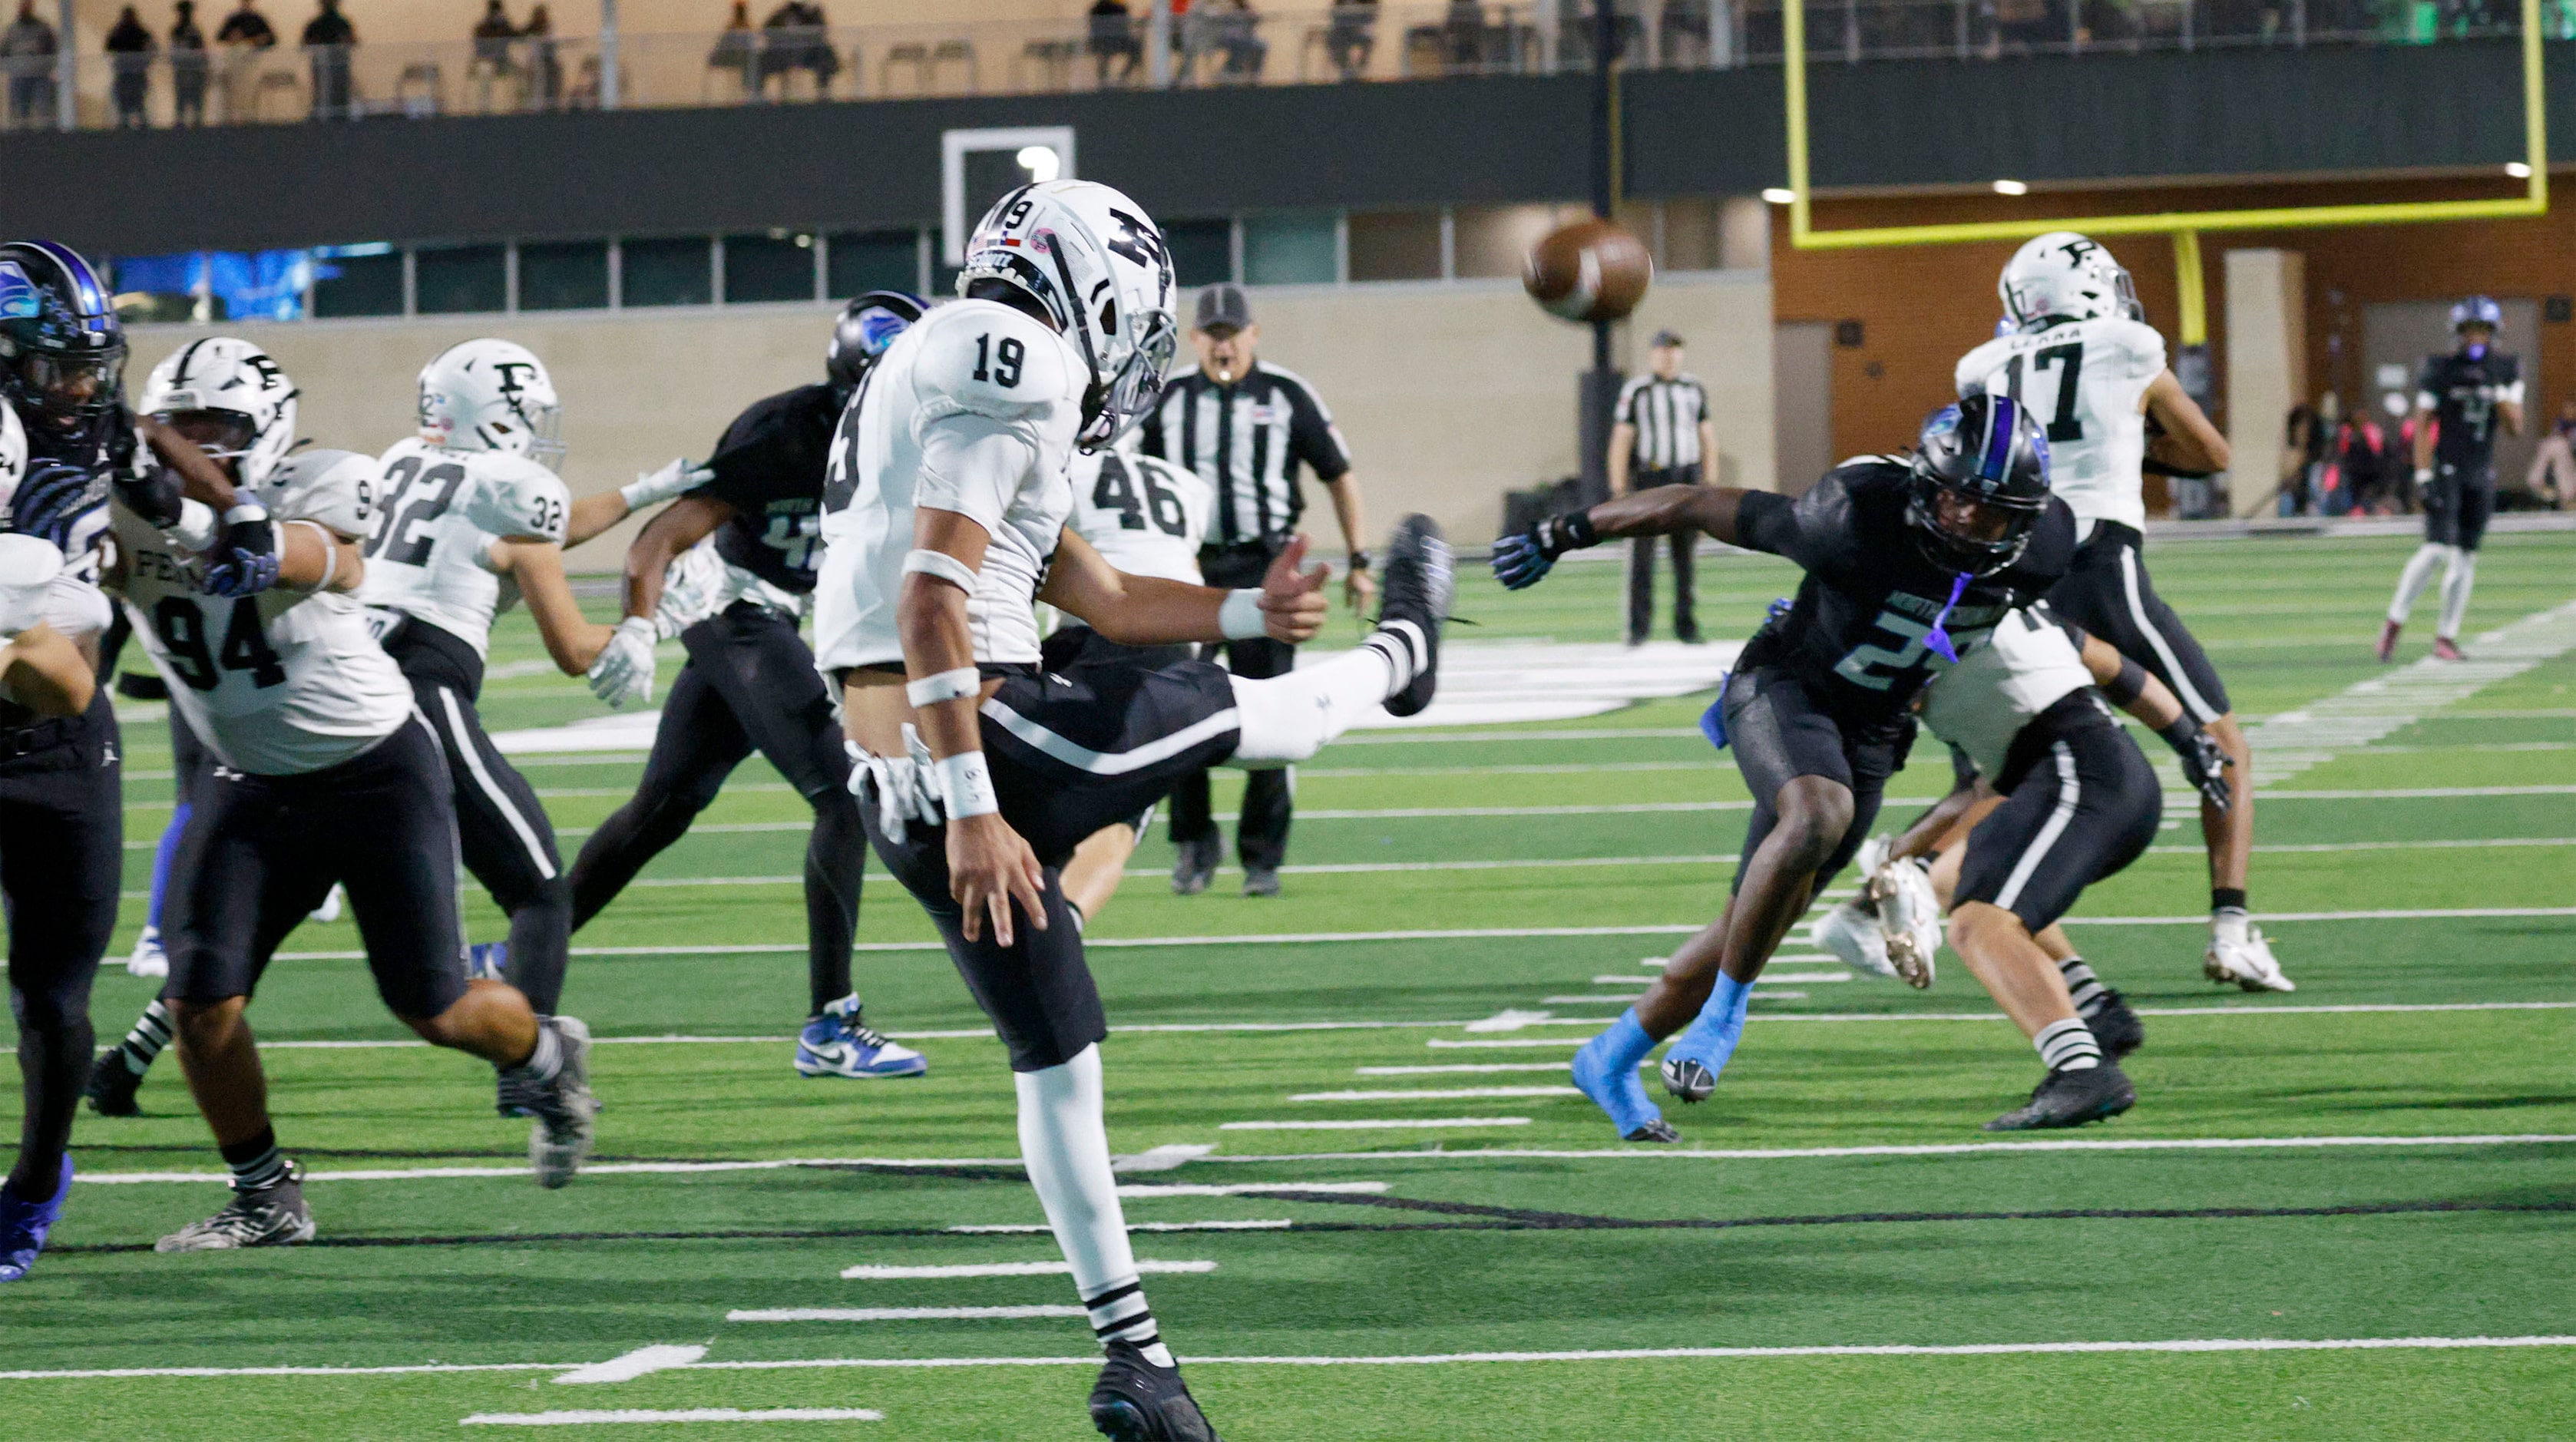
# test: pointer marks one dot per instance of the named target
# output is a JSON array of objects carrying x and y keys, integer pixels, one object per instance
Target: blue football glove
[
  {"x": 1523, "y": 558},
  {"x": 52, "y": 499},
  {"x": 243, "y": 559}
]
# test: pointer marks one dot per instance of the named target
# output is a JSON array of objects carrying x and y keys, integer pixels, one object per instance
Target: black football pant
[
  {"x": 1261, "y": 831},
  {"x": 1641, "y": 569},
  {"x": 502, "y": 829},
  {"x": 749, "y": 685},
  {"x": 62, "y": 862}
]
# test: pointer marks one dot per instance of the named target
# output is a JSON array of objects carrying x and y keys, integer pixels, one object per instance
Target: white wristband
[
  {"x": 330, "y": 552},
  {"x": 196, "y": 527},
  {"x": 943, "y": 565},
  {"x": 245, "y": 508},
  {"x": 966, "y": 784},
  {"x": 1240, "y": 618},
  {"x": 954, "y": 685}
]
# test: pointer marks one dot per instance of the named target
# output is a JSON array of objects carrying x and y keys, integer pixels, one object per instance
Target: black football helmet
[
  {"x": 62, "y": 349},
  {"x": 867, "y": 326},
  {"x": 1990, "y": 450}
]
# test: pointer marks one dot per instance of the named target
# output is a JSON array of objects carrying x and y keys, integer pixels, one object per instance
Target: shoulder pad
[
  {"x": 335, "y": 489},
  {"x": 28, "y": 565},
  {"x": 2143, "y": 341},
  {"x": 517, "y": 498},
  {"x": 13, "y": 453},
  {"x": 990, "y": 360},
  {"x": 1969, "y": 376}
]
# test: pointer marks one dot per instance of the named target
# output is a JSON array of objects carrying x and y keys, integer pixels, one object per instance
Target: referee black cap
[
  {"x": 1224, "y": 308},
  {"x": 1666, "y": 337}
]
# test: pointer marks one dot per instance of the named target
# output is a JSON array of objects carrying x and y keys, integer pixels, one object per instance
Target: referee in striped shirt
[
  {"x": 1247, "y": 428},
  {"x": 1661, "y": 436}
]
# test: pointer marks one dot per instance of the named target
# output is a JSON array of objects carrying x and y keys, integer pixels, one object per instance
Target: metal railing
[{"x": 1212, "y": 45}]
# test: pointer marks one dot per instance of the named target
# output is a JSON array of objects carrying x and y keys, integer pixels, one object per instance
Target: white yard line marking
[
  {"x": 641, "y": 1361},
  {"x": 588, "y": 1417},
  {"x": 1965, "y": 1349},
  {"x": 1040, "y": 1228},
  {"x": 1160, "y": 1159},
  {"x": 1462, "y": 1067},
  {"x": 1238, "y": 1189},
  {"x": 419, "y": 1174},
  {"x": 867, "y": 1272},
  {"x": 1429, "y": 1124},
  {"x": 1445, "y": 1094},
  {"x": 1924, "y": 1149},
  {"x": 1508, "y": 1019},
  {"x": 899, "y": 1314}
]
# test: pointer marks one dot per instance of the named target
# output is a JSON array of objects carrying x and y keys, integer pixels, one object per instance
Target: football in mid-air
[{"x": 1590, "y": 270}]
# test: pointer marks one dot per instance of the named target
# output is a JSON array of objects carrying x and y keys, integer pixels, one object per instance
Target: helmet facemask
[{"x": 67, "y": 392}]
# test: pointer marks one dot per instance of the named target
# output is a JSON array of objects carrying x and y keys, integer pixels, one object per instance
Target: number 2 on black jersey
[{"x": 2069, "y": 360}]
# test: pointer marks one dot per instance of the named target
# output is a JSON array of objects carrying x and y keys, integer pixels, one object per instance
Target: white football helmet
[
  {"x": 1098, "y": 264},
  {"x": 2062, "y": 276},
  {"x": 230, "y": 378},
  {"x": 492, "y": 395}
]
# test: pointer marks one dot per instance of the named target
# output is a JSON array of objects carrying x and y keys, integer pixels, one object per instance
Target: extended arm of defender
[
  {"x": 1521, "y": 559},
  {"x": 1153, "y": 611},
  {"x": 1923, "y": 836},
  {"x": 46, "y": 673}
]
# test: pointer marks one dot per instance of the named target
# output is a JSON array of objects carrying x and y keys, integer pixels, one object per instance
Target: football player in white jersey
[
  {"x": 61, "y": 857},
  {"x": 944, "y": 524},
  {"x": 1147, "y": 517},
  {"x": 2082, "y": 357},
  {"x": 327, "y": 773},
  {"x": 2052, "y": 796}
]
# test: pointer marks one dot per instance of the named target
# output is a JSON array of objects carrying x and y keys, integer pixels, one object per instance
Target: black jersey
[
  {"x": 1856, "y": 635},
  {"x": 2462, "y": 394},
  {"x": 769, "y": 468}
]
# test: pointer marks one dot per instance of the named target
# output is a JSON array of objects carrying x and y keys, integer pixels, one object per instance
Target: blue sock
[
  {"x": 1606, "y": 1070},
  {"x": 162, "y": 856},
  {"x": 1712, "y": 1036}
]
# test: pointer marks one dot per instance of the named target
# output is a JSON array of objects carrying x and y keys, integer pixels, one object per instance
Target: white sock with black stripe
[
  {"x": 2084, "y": 986},
  {"x": 1291, "y": 717},
  {"x": 2068, "y": 1046},
  {"x": 1064, "y": 1139},
  {"x": 148, "y": 1039},
  {"x": 1120, "y": 1315}
]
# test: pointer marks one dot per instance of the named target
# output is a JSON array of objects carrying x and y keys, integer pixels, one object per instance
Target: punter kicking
[{"x": 1909, "y": 560}]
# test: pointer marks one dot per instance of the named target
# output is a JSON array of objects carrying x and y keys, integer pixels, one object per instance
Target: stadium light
[
  {"x": 1779, "y": 196},
  {"x": 2011, "y": 187},
  {"x": 2517, "y": 169}
]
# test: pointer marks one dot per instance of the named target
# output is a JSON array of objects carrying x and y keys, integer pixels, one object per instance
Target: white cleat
[
  {"x": 1850, "y": 931},
  {"x": 329, "y": 910},
  {"x": 148, "y": 959},
  {"x": 2248, "y": 963},
  {"x": 1909, "y": 917}
]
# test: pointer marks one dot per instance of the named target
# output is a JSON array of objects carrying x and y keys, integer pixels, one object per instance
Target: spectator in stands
[
  {"x": 796, "y": 39},
  {"x": 2303, "y": 452},
  {"x": 130, "y": 48},
  {"x": 1685, "y": 27},
  {"x": 243, "y": 37},
  {"x": 1238, "y": 34},
  {"x": 738, "y": 49},
  {"x": 1462, "y": 36},
  {"x": 492, "y": 36},
  {"x": 2362, "y": 456},
  {"x": 1113, "y": 37},
  {"x": 28, "y": 48},
  {"x": 187, "y": 67},
  {"x": 328, "y": 39},
  {"x": 545, "y": 64},
  {"x": 2553, "y": 466},
  {"x": 1352, "y": 36}
]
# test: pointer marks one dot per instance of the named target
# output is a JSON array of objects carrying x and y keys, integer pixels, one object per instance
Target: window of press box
[
  {"x": 357, "y": 280},
  {"x": 1396, "y": 245},
  {"x": 456, "y": 280},
  {"x": 563, "y": 275},
  {"x": 1202, "y": 251},
  {"x": 666, "y": 272},
  {"x": 778, "y": 265},
  {"x": 865, "y": 260},
  {"x": 1290, "y": 248}
]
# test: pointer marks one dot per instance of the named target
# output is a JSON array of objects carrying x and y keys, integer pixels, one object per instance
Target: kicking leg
[{"x": 1091, "y": 878}]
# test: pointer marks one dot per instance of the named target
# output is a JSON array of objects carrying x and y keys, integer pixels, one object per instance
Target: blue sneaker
[
  {"x": 488, "y": 961},
  {"x": 1615, "y": 1089},
  {"x": 836, "y": 1044},
  {"x": 23, "y": 1225}
]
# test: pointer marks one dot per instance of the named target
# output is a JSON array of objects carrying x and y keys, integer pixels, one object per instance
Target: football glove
[
  {"x": 152, "y": 492},
  {"x": 2203, "y": 764},
  {"x": 51, "y": 500},
  {"x": 624, "y": 671},
  {"x": 669, "y": 483},
  {"x": 1524, "y": 557},
  {"x": 243, "y": 560}
]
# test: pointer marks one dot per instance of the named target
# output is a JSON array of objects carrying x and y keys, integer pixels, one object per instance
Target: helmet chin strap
[{"x": 1938, "y": 638}]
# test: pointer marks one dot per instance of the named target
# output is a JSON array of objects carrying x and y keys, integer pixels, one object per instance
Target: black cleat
[
  {"x": 2070, "y": 1099},
  {"x": 269, "y": 1217},
  {"x": 2115, "y": 1027},
  {"x": 1657, "y": 1130},
  {"x": 1688, "y": 1079},
  {"x": 1194, "y": 866},
  {"x": 1417, "y": 588},
  {"x": 1261, "y": 881},
  {"x": 1136, "y": 1401},
  {"x": 112, "y": 1085}
]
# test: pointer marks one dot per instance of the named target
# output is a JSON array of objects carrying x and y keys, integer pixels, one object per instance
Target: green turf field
[{"x": 2384, "y": 1156}]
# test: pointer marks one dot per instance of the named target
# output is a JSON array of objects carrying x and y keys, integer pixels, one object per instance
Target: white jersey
[
  {"x": 430, "y": 555},
  {"x": 2027, "y": 665},
  {"x": 1144, "y": 516},
  {"x": 972, "y": 410},
  {"x": 2083, "y": 380},
  {"x": 282, "y": 682}
]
